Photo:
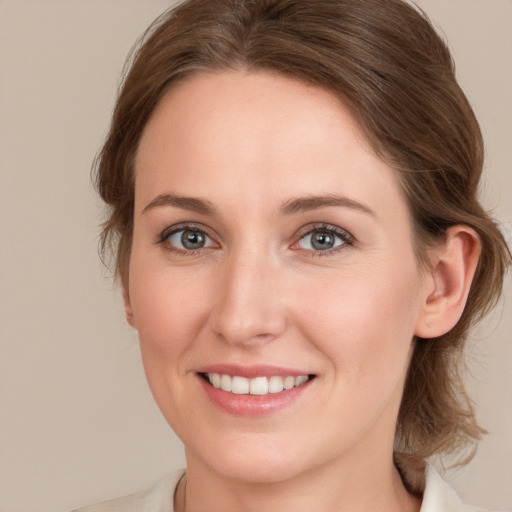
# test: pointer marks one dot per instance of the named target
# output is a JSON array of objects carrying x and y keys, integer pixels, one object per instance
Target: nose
[{"x": 250, "y": 307}]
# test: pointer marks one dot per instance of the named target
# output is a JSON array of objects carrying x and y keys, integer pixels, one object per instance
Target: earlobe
[
  {"x": 453, "y": 265},
  {"x": 128, "y": 310}
]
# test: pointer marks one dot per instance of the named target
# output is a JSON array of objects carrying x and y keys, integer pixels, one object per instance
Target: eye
[
  {"x": 188, "y": 239},
  {"x": 323, "y": 238}
]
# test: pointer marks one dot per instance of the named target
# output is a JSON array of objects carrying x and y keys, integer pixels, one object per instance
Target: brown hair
[{"x": 385, "y": 61}]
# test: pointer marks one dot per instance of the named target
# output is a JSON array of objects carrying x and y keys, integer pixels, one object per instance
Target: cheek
[
  {"x": 164, "y": 301},
  {"x": 364, "y": 322},
  {"x": 169, "y": 310}
]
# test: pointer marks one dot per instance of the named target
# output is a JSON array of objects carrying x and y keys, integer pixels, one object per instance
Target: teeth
[
  {"x": 225, "y": 383},
  {"x": 215, "y": 380},
  {"x": 289, "y": 382},
  {"x": 239, "y": 385},
  {"x": 301, "y": 380},
  {"x": 275, "y": 384},
  {"x": 257, "y": 386}
]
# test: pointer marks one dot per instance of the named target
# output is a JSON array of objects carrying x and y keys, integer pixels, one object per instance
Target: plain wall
[{"x": 77, "y": 422}]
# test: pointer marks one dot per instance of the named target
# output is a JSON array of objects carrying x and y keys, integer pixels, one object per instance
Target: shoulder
[
  {"x": 439, "y": 496},
  {"x": 422, "y": 479},
  {"x": 158, "y": 498}
]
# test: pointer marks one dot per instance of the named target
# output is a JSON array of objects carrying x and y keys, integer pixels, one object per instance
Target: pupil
[
  {"x": 322, "y": 241},
  {"x": 192, "y": 239}
]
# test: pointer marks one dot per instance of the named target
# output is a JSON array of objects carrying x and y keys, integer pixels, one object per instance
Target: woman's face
[{"x": 270, "y": 248}]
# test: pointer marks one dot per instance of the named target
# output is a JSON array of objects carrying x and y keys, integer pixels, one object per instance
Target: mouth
[{"x": 261, "y": 386}]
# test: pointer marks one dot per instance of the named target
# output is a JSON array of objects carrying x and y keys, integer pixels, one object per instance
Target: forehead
[
  {"x": 257, "y": 132},
  {"x": 215, "y": 110}
]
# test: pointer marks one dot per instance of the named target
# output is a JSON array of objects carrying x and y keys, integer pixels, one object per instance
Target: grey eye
[
  {"x": 320, "y": 240},
  {"x": 190, "y": 239}
]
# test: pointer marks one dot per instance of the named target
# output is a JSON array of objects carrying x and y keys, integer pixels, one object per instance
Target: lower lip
[{"x": 252, "y": 405}]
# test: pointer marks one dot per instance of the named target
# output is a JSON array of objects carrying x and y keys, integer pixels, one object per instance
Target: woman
[{"x": 292, "y": 191}]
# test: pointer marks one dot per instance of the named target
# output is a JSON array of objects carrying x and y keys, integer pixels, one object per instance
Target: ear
[
  {"x": 453, "y": 265},
  {"x": 128, "y": 310}
]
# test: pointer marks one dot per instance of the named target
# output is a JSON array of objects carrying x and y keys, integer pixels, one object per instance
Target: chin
[
  {"x": 259, "y": 464},
  {"x": 258, "y": 471}
]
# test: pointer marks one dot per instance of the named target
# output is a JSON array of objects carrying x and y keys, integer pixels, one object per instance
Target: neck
[{"x": 342, "y": 486}]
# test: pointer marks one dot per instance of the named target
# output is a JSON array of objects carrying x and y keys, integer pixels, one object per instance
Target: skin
[{"x": 258, "y": 292}]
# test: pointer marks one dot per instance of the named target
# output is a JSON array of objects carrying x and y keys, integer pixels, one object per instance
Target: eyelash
[
  {"x": 163, "y": 239},
  {"x": 346, "y": 239}
]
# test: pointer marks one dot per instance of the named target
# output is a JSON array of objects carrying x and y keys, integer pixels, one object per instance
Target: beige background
[{"x": 77, "y": 422}]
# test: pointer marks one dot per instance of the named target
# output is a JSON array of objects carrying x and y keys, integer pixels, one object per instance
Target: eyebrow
[
  {"x": 192, "y": 204},
  {"x": 309, "y": 203},
  {"x": 290, "y": 207}
]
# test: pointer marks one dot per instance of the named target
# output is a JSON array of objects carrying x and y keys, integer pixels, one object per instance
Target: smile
[{"x": 257, "y": 386}]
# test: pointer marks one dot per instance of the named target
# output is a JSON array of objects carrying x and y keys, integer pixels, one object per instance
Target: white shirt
[{"x": 438, "y": 496}]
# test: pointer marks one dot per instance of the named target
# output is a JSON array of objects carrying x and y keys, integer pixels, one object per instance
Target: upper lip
[{"x": 253, "y": 371}]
